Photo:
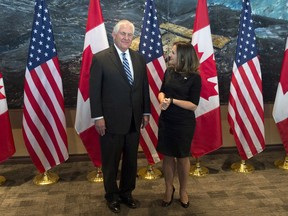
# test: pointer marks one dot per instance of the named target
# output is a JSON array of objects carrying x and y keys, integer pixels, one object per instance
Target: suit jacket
[{"x": 112, "y": 96}]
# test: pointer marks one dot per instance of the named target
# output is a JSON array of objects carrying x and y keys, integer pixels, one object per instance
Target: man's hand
[
  {"x": 145, "y": 121},
  {"x": 100, "y": 126}
]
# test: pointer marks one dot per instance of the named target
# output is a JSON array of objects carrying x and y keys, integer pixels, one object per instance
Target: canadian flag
[
  {"x": 7, "y": 148},
  {"x": 280, "y": 110},
  {"x": 95, "y": 41},
  {"x": 208, "y": 111}
]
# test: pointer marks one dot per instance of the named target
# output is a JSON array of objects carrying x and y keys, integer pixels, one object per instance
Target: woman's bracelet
[{"x": 171, "y": 100}]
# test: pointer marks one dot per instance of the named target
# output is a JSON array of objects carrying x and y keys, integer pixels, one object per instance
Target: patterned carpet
[{"x": 222, "y": 192}]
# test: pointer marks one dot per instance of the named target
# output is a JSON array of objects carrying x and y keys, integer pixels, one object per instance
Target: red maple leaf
[
  {"x": 208, "y": 70},
  {"x": 1, "y": 95}
]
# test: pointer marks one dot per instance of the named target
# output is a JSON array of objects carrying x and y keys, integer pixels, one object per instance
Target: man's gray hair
[{"x": 121, "y": 22}]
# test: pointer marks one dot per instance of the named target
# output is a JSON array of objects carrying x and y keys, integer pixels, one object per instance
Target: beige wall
[{"x": 76, "y": 146}]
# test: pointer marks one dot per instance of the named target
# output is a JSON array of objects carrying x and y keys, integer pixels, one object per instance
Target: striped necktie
[{"x": 127, "y": 68}]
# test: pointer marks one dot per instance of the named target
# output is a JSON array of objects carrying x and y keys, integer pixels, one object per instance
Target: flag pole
[
  {"x": 197, "y": 170},
  {"x": 242, "y": 167},
  {"x": 2, "y": 180},
  {"x": 149, "y": 173},
  {"x": 46, "y": 178},
  {"x": 282, "y": 164},
  {"x": 96, "y": 175}
]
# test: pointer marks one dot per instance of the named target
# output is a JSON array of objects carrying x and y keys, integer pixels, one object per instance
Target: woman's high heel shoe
[
  {"x": 184, "y": 205},
  {"x": 166, "y": 204}
]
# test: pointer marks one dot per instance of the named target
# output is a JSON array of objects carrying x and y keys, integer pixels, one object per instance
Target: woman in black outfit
[{"x": 179, "y": 96}]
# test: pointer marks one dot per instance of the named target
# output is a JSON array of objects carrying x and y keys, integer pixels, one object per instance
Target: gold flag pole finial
[
  {"x": 197, "y": 170},
  {"x": 46, "y": 178},
  {"x": 242, "y": 167},
  {"x": 96, "y": 175},
  {"x": 282, "y": 164},
  {"x": 2, "y": 180},
  {"x": 149, "y": 173}
]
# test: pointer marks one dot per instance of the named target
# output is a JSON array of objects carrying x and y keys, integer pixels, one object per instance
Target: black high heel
[
  {"x": 184, "y": 205},
  {"x": 166, "y": 204}
]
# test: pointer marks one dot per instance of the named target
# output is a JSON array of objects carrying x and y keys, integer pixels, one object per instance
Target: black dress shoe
[
  {"x": 129, "y": 202},
  {"x": 184, "y": 205},
  {"x": 114, "y": 206},
  {"x": 166, "y": 204}
]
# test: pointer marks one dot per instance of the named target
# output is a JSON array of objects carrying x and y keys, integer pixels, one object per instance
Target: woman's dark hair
[{"x": 187, "y": 60}]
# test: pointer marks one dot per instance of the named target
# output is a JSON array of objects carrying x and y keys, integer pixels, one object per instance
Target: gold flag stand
[
  {"x": 149, "y": 173},
  {"x": 96, "y": 175},
  {"x": 46, "y": 178},
  {"x": 2, "y": 180},
  {"x": 242, "y": 167},
  {"x": 282, "y": 164},
  {"x": 197, "y": 170}
]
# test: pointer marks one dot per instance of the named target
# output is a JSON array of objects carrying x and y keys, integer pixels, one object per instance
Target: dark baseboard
[{"x": 85, "y": 157}]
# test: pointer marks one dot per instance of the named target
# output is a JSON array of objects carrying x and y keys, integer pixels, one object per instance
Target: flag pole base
[
  {"x": 197, "y": 170},
  {"x": 242, "y": 167},
  {"x": 2, "y": 180},
  {"x": 96, "y": 175},
  {"x": 149, "y": 173},
  {"x": 46, "y": 178},
  {"x": 282, "y": 164}
]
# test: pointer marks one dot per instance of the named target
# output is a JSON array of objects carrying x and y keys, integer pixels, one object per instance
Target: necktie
[{"x": 127, "y": 68}]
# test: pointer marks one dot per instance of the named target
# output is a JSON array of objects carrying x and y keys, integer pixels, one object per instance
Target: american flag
[
  {"x": 280, "y": 111},
  {"x": 95, "y": 41},
  {"x": 44, "y": 126},
  {"x": 151, "y": 47},
  {"x": 245, "y": 108},
  {"x": 208, "y": 111}
]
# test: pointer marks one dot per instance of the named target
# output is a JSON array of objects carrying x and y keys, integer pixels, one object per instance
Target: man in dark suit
[{"x": 120, "y": 106}]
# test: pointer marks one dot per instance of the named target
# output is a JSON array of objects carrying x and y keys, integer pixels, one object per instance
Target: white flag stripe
[
  {"x": 50, "y": 92},
  {"x": 205, "y": 106},
  {"x": 202, "y": 38},
  {"x": 56, "y": 76},
  {"x": 154, "y": 101},
  {"x": 252, "y": 80},
  {"x": 239, "y": 133},
  {"x": 95, "y": 44},
  {"x": 3, "y": 103},
  {"x": 3, "y": 107},
  {"x": 280, "y": 110},
  {"x": 154, "y": 74},
  {"x": 150, "y": 146},
  {"x": 38, "y": 151},
  {"x": 162, "y": 63},
  {"x": 83, "y": 114}
]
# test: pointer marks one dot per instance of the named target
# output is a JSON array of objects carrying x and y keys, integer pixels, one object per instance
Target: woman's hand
[{"x": 165, "y": 103}]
